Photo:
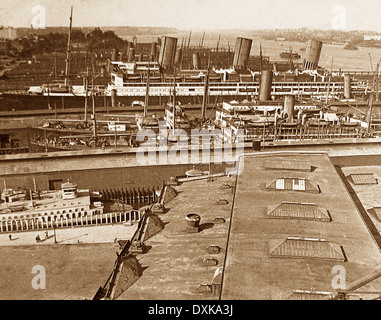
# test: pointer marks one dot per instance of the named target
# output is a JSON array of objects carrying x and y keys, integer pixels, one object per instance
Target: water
[{"x": 348, "y": 60}]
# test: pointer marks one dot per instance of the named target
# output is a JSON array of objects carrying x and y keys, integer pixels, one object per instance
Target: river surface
[{"x": 331, "y": 56}]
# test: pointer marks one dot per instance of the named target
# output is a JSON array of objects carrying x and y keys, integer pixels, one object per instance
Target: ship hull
[
  {"x": 161, "y": 95},
  {"x": 21, "y": 102},
  {"x": 14, "y": 102}
]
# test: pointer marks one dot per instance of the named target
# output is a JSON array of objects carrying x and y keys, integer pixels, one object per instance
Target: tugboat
[{"x": 290, "y": 55}]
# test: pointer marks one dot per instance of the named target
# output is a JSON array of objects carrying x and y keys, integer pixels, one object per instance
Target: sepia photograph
[{"x": 190, "y": 154}]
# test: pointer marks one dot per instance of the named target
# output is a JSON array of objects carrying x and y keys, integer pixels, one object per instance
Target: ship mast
[
  {"x": 329, "y": 83},
  {"x": 147, "y": 91},
  {"x": 202, "y": 40},
  {"x": 218, "y": 44},
  {"x": 206, "y": 88},
  {"x": 189, "y": 38},
  {"x": 260, "y": 55},
  {"x": 174, "y": 101},
  {"x": 371, "y": 101},
  {"x": 93, "y": 101},
  {"x": 290, "y": 58},
  {"x": 67, "y": 67},
  {"x": 229, "y": 54},
  {"x": 174, "y": 88},
  {"x": 86, "y": 89},
  {"x": 377, "y": 82}
]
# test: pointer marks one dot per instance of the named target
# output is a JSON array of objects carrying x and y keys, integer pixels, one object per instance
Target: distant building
[
  {"x": 8, "y": 33},
  {"x": 372, "y": 37}
]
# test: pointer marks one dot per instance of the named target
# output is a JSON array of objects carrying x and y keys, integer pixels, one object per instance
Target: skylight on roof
[
  {"x": 293, "y": 184},
  {"x": 295, "y": 247},
  {"x": 298, "y": 210}
]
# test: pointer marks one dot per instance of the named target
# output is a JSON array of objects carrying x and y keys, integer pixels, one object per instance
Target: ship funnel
[
  {"x": 178, "y": 57},
  {"x": 289, "y": 107},
  {"x": 128, "y": 47},
  {"x": 135, "y": 41},
  {"x": 265, "y": 85},
  {"x": 347, "y": 86},
  {"x": 167, "y": 52},
  {"x": 153, "y": 51},
  {"x": 242, "y": 53},
  {"x": 193, "y": 222},
  {"x": 311, "y": 61},
  {"x": 131, "y": 55},
  {"x": 196, "y": 61},
  {"x": 113, "y": 98},
  {"x": 113, "y": 54}
]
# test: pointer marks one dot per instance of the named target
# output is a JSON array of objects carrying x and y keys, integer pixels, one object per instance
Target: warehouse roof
[{"x": 293, "y": 256}]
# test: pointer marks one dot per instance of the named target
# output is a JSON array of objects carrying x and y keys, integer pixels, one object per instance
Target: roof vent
[
  {"x": 219, "y": 220},
  {"x": 214, "y": 248},
  {"x": 294, "y": 247},
  {"x": 193, "y": 222},
  {"x": 294, "y": 184},
  {"x": 204, "y": 288},
  {"x": 298, "y": 210},
  {"x": 222, "y": 202},
  {"x": 210, "y": 261}
]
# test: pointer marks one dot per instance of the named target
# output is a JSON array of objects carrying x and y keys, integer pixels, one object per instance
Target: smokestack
[
  {"x": 135, "y": 41},
  {"x": 196, "y": 61},
  {"x": 113, "y": 98},
  {"x": 131, "y": 55},
  {"x": 265, "y": 85},
  {"x": 347, "y": 86},
  {"x": 289, "y": 107},
  {"x": 313, "y": 51},
  {"x": 128, "y": 47},
  {"x": 242, "y": 53},
  {"x": 113, "y": 55},
  {"x": 153, "y": 51},
  {"x": 178, "y": 57},
  {"x": 167, "y": 52}
]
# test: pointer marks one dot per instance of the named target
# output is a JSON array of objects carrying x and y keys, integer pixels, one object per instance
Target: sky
[{"x": 196, "y": 14}]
